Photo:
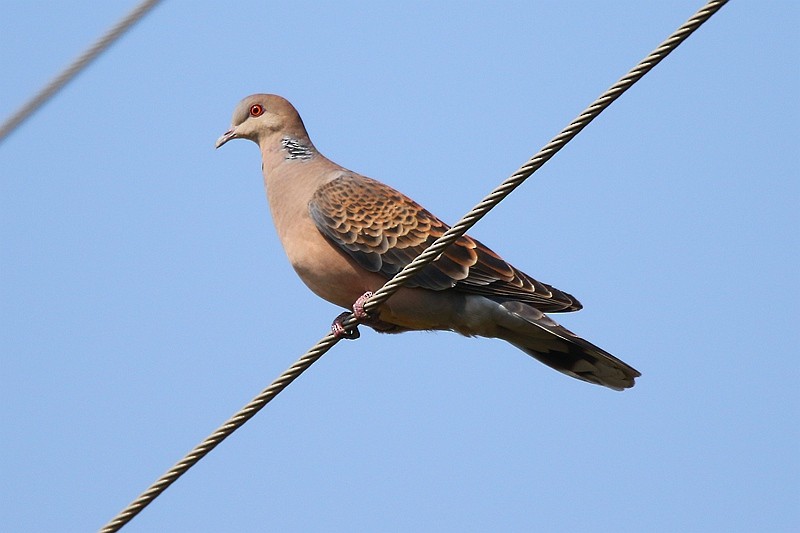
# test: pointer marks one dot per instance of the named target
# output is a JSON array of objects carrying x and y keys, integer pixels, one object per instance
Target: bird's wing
[{"x": 384, "y": 230}]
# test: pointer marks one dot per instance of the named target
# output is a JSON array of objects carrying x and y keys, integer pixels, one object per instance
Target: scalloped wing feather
[{"x": 383, "y": 230}]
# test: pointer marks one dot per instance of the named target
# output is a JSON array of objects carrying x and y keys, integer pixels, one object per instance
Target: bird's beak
[{"x": 227, "y": 136}]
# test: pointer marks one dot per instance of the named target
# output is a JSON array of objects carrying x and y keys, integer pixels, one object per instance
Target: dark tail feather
[{"x": 539, "y": 336}]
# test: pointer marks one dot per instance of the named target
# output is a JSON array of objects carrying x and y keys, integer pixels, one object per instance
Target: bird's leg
[
  {"x": 358, "y": 307},
  {"x": 363, "y": 317},
  {"x": 338, "y": 329}
]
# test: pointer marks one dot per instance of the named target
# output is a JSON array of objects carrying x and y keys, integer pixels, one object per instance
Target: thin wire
[
  {"x": 541, "y": 157},
  {"x": 75, "y": 68},
  {"x": 420, "y": 262}
]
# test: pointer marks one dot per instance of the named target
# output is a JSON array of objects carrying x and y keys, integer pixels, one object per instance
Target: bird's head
[{"x": 261, "y": 116}]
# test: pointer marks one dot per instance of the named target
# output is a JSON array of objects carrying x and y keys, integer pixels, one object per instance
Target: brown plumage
[
  {"x": 384, "y": 230},
  {"x": 346, "y": 234}
]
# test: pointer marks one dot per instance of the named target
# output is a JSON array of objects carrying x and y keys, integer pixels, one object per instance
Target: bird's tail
[{"x": 539, "y": 336}]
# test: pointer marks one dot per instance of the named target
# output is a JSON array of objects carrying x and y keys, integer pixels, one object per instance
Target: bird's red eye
[{"x": 256, "y": 110}]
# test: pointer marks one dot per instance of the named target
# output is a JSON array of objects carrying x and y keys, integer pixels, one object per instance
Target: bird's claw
[
  {"x": 358, "y": 306},
  {"x": 340, "y": 332},
  {"x": 338, "y": 329}
]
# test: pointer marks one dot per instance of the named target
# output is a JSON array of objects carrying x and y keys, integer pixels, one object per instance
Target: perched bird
[{"x": 346, "y": 234}]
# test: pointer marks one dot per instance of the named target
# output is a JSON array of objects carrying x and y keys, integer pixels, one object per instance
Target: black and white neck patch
[{"x": 296, "y": 149}]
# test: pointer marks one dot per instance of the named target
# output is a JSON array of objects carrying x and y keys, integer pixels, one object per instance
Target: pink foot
[
  {"x": 339, "y": 331},
  {"x": 358, "y": 307}
]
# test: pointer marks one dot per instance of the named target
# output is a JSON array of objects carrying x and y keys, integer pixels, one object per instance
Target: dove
[{"x": 346, "y": 234}]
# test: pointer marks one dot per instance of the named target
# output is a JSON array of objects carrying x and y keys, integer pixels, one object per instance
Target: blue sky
[{"x": 144, "y": 296}]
